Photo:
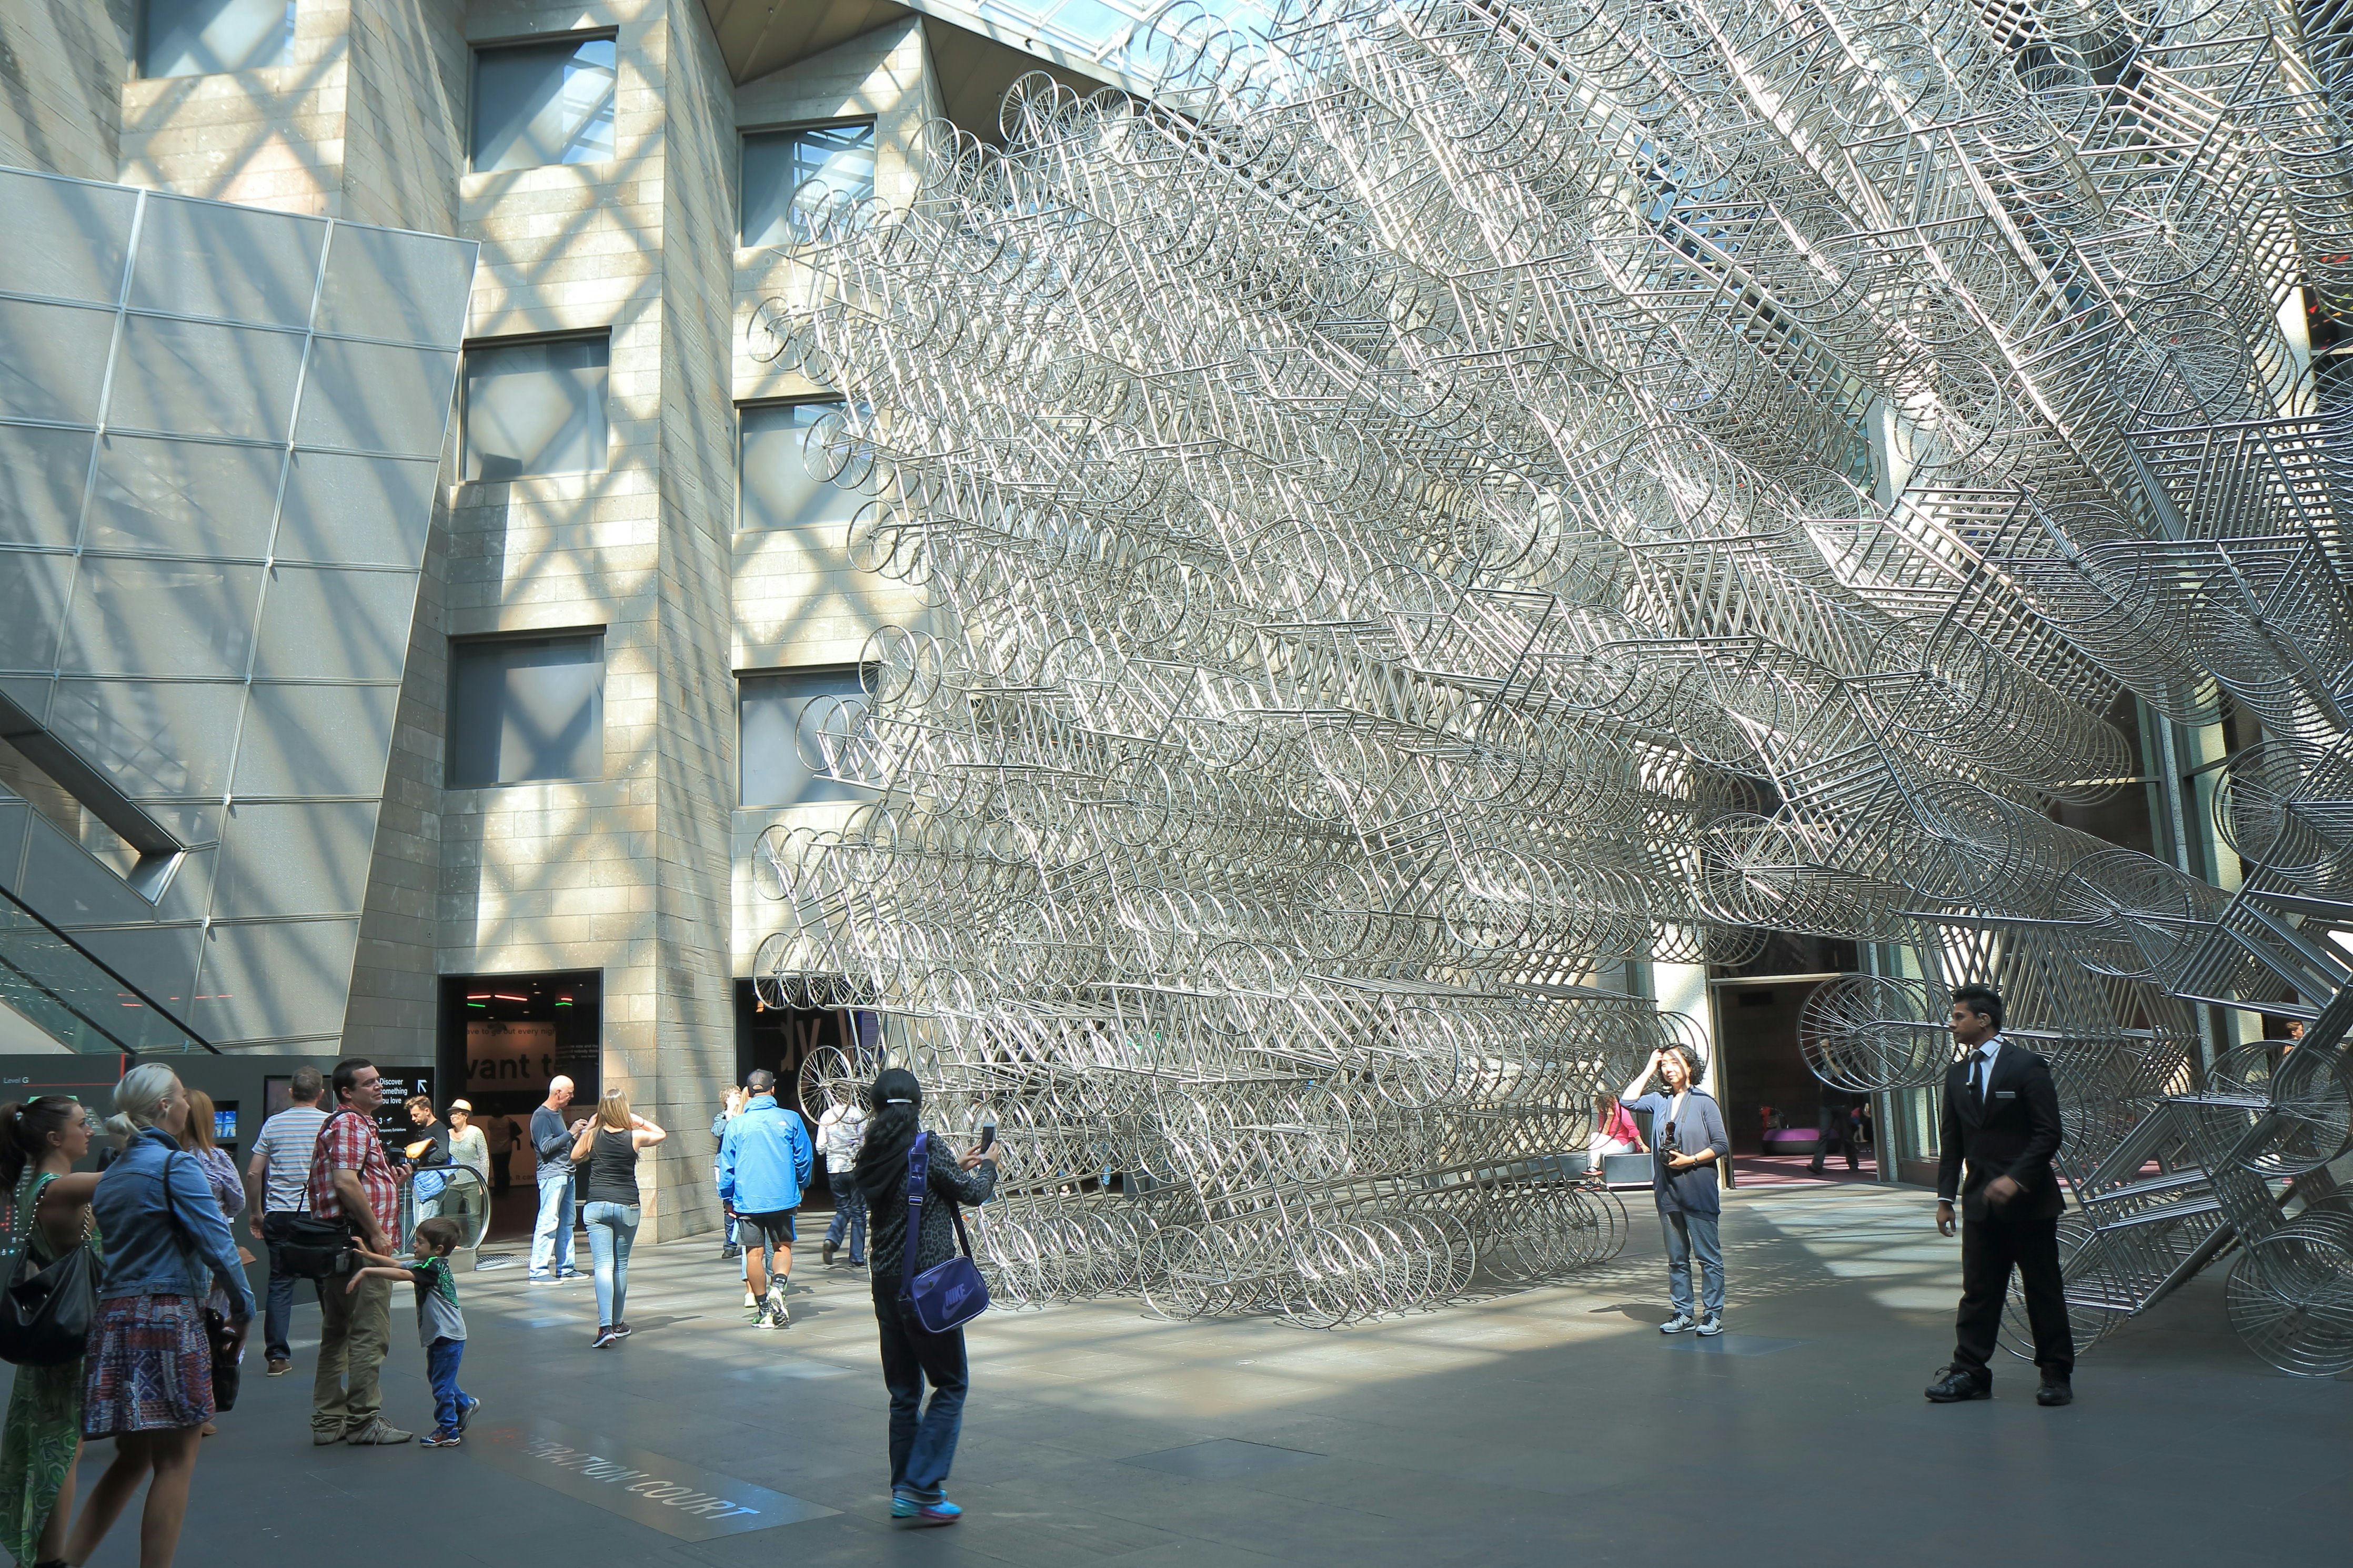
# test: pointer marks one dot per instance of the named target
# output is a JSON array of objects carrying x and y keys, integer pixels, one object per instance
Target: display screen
[{"x": 223, "y": 1126}]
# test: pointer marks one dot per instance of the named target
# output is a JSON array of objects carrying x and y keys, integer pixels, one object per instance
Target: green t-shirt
[{"x": 437, "y": 1317}]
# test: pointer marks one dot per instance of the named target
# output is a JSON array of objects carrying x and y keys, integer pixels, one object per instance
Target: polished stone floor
[{"x": 1543, "y": 1427}]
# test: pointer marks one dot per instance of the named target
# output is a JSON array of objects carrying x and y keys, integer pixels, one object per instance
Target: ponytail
[
  {"x": 139, "y": 1098},
  {"x": 897, "y": 1103}
]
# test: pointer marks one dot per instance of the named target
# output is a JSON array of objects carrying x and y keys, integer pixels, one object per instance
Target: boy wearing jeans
[{"x": 439, "y": 1324}]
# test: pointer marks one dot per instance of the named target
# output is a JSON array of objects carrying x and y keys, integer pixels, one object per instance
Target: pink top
[{"x": 1622, "y": 1127}]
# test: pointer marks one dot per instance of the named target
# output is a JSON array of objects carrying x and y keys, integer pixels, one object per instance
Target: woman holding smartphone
[
  {"x": 605, "y": 1150},
  {"x": 1687, "y": 1141},
  {"x": 922, "y": 1438}
]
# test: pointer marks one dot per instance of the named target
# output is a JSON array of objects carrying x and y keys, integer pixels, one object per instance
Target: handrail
[{"x": 111, "y": 973}]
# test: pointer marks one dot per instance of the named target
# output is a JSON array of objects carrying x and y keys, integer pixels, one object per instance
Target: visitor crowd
[{"x": 155, "y": 1354}]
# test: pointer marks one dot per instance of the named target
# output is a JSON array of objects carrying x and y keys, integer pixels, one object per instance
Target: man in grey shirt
[
  {"x": 551, "y": 1238},
  {"x": 277, "y": 1188}
]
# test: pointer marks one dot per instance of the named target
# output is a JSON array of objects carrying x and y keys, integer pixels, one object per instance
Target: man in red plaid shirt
[{"x": 351, "y": 1180}]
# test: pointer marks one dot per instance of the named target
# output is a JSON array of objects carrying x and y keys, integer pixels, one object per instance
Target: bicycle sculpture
[{"x": 1443, "y": 496}]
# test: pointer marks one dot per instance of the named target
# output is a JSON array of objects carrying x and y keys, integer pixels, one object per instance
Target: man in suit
[{"x": 2001, "y": 1116}]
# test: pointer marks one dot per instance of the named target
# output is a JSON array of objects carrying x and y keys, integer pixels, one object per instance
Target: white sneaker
[
  {"x": 1710, "y": 1326},
  {"x": 751, "y": 1302},
  {"x": 777, "y": 1310},
  {"x": 1681, "y": 1323}
]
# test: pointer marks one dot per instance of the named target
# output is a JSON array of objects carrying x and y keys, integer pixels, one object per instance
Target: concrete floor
[{"x": 1543, "y": 1427}]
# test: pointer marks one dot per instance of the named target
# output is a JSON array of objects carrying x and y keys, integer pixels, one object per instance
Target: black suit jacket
[{"x": 2014, "y": 1135}]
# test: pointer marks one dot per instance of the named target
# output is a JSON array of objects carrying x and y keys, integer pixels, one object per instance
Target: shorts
[{"x": 765, "y": 1230}]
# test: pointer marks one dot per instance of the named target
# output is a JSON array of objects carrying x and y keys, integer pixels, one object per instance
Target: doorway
[
  {"x": 504, "y": 1038},
  {"x": 784, "y": 1039},
  {"x": 1771, "y": 1099}
]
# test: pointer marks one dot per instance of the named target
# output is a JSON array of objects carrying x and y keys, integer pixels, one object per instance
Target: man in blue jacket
[{"x": 765, "y": 1160}]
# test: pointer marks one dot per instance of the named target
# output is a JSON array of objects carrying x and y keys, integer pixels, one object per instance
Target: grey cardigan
[{"x": 1693, "y": 1191}]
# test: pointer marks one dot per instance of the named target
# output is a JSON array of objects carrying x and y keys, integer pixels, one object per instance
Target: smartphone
[{"x": 987, "y": 1135}]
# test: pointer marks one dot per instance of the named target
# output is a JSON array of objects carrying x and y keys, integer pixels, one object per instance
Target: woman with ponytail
[
  {"x": 40, "y": 1140},
  {"x": 922, "y": 1441}
]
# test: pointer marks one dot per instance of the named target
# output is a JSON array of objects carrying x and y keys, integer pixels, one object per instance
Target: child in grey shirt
[{"x": 439, "y": 1324}]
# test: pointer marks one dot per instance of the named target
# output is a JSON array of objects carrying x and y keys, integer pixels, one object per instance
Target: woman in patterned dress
[
  {"x": 40, "y": 1140},
  {"x": 148, "y": 1375}
]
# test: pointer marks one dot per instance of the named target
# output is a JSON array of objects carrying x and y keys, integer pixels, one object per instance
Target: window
[
  {"x": 208, "y": 37},
  {"x": 776, "y": 489},
  {"x": 543, "y": 104},
  {"x": 536, "y": 408},
  {"x": 816, "y": 164},
  {"x": 526, "y": 708},
  {"x": 781, "y": 717}
]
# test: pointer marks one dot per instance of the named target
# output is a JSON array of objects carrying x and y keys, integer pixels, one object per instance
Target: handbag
[
  {"x": 219, "y": 1337},
  {"x": 948, "y": 1295},
  {"x": 45, "y": 1314},
  {"x": 309, "y": 1247}
]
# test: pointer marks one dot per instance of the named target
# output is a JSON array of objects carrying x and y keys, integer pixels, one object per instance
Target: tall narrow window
[
  {"x": 210, "y": 38},
  {"x": 536, "y": 408},
  {"x": 782, "y": 719},
  {"x": 526, "y": 708},
  {"x": 777, "y": 488},
  {"x": 543, "y": 104},
  {"x": 791, "y": 175}
]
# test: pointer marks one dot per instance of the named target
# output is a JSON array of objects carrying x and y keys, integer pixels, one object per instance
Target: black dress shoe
[
  {"x": 2058, "y": 1391},
  {"x": 1957, "y": 1385}
]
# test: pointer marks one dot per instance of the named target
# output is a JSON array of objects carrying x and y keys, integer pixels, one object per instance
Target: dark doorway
[
  {"x": 1771, "y": 1101},
  {"x": 783, "y": 1040},
  {"x": 502, "y": 1039}
]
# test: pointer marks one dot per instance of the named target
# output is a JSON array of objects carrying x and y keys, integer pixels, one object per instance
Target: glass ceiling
[{"x": 1099, "y": 29}]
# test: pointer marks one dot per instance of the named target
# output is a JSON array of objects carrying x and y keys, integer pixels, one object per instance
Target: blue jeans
[
  {"x": 849, "y": 1215},
  {"x": 922, "y": 1441},
  {"x": 551, "y": 1238},
  {"x": 450, "y": 1401},
  {"x": 1687, "y": 1234},
  {"x": 612, "y": 1229}
]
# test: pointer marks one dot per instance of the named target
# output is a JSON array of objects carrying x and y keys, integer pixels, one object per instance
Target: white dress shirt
[
  {"x": 1981, "y": 1062},
  {"x": 1981, "y": 1074}
]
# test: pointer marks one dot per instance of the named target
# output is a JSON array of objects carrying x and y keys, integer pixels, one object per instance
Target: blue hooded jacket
[{"x": 765, "y": 1160}]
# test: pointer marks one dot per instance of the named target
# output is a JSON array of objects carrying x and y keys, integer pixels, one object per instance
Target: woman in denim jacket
[{"x": 149, "y": 1378}]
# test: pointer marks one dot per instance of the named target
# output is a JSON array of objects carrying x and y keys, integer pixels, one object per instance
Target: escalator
[{"x": 56, "y": 990}]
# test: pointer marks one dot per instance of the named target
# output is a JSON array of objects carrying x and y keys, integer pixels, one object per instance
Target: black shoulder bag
[
  {"x": 310, "y": 1247},
  {"x": 46, "y": 1311}
]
